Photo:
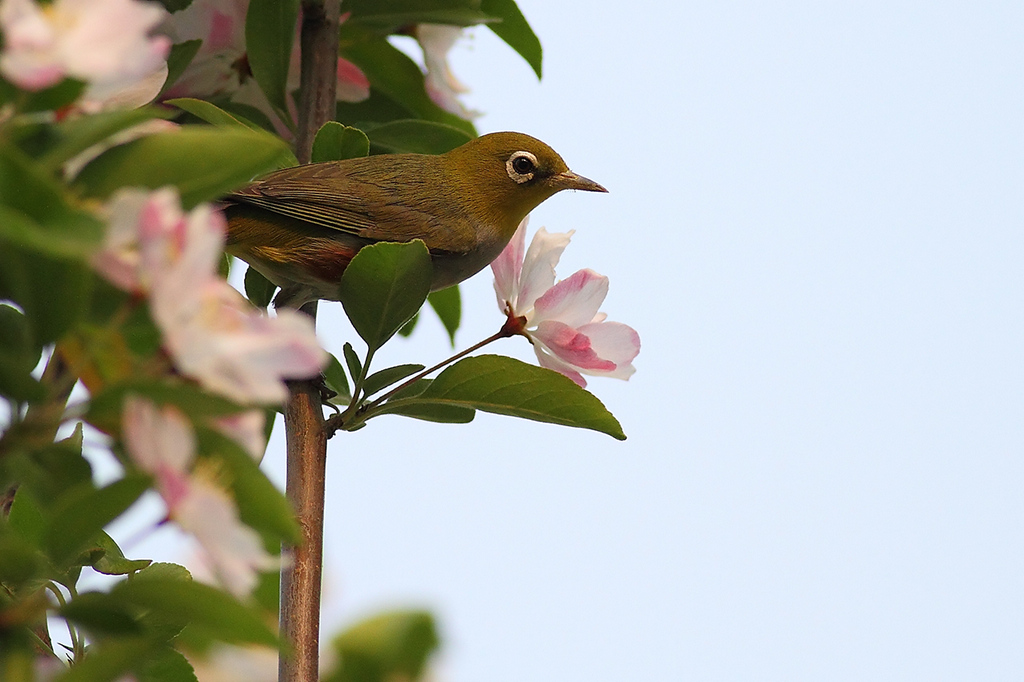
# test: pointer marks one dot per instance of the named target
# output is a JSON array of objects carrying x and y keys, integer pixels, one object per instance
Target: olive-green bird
[{"x": 301, "y": 226}]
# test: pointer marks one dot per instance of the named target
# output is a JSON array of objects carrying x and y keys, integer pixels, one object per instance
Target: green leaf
[
  {"x": 258, "y": 289},
  {"x": 502, "y": 385},
  {"x": 385, "y": 17},
  {"x": 54, "y": 97},
  {"x": 269, "y": 32},
  {"x": 166, "y": 665},
  {"x": 515, "y": 31},
  {"x": 260, "y": 504},
  {"x": 18, "y": 357},
  {"x": 20, "y": 561},
  {"x": 75, "y": 135},
  {"x": 408, "y": 327},
  {"x": 202, "y": 162},
  {"x": 35, "y": 214},
  {"x": 334, "y": 377},
  {"x": 377, "y": 108},
  {"x": 435, "y": 412},
  {"x": 178, "y": 60},
  {"x": 79, "y": 518},
  {"x": 105, "y": 408},
  {"x": 383, "y": 286},
  {"x": 355, "y": 368},
  {"x": 336, "y": 142},
  {"x": 398, "y": 77},
  {"x": 378, "y": 381},
  {"x": 113, "y": 561},
  {"x": 110, "y": 658},
  {"x": 416, "y": 137},
  {"x": 189, "y": 602},
  {"x": 211, "y": 113},
  {"x": 102, "y": 614},
  {"x": 388, "y": 646},
  {"x": 53, "y": 292},
  {"x": 27, "y": 519},
  {"x": 447, "y": 303},
  {"x": 175, "y": 5},
  {"x": 49, "y": 472}
]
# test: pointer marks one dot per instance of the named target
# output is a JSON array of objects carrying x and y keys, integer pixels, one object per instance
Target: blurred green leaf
[
  {"x": 102, "y": 614},
  {"x": 502, "y": 385},
  {"x": 210, "y": 113},
  {"x": 166, "y": 665},
  {"x": 269, "y": 33},
  {"x": 383, "y": 286},
  {"x": 336, "y": 142},
  {"x": 178, "y": 60},
  {"x": 447, "y": 303},
  {"x": 258, "y": 289},
  {"x": 515, "y": 31},
  {"x": 53, "y": 292},
  {"x": 19, "y": 355},
  {"x": 111, "y": 658},
  {"x": 54, "y": 97},
  {"x": 378, "y": 381},
  {"x": 398, "y": 77},
  {"x": 20, "y": 561},
  {"x": 260, "y": 504},
  {"x": 113, "y": 561},
  {"x": 198, "y": 605},
  {"x": 415, "y": 136},
  {"x": 51, "y": 471},
  {"x": 75, "y": 135},
  {"x": 334, "y": 377},
  {"x": 388, "y": 646},
  {"x": 408, "y": 327},
  {"x": 79, "y": 518},
  {"x": 175, "y": 5},
  {"x": 204, "y": 163},
  {"x": 27, "y": 518},
  {"x": 377, "y": 108},
  {"x": 105, "y": 408}
]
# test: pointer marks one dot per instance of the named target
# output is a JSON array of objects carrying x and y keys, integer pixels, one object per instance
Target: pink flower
[
  {"x": 210, "y": 331},
  {"x": 561, "y": 320},
  {"x": 103, "y": 42},
  {"x": 441, "y": 85},
  {"x": 247, "y": 429},
  {"x": 161, "y": 442},
  {"x": 221, "y": 67}
]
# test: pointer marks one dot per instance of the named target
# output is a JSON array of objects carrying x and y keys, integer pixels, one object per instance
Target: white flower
[
  {"x": 441, "y": 85},
  {"x": 161, "y": 442},
  {"x": 102, "y": 42},
  {"x": 562, "y": 320},
  {"x": 211, "y": 332}
]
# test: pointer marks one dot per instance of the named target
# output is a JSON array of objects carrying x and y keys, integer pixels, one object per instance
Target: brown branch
[{"x": 303, "y": 419}]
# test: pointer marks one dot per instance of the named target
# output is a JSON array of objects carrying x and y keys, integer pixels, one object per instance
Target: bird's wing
[{"x": 320, "y": 201}]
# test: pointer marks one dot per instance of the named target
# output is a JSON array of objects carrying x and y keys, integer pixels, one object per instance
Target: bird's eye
[{"x": 521, "y": 166}]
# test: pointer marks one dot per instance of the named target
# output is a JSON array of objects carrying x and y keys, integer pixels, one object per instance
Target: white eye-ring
[{"x": 521, "y": 166}]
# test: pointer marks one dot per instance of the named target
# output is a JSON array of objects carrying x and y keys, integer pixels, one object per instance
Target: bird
[{"x": 301, "y": 226}]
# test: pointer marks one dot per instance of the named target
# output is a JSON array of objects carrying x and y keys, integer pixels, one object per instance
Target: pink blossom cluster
[
  {"x": 105, "y": 43},
  {"x": 562, "y": 320},
  {"x": 161, "y": 442},
  {"x": 210, "y": 331}
]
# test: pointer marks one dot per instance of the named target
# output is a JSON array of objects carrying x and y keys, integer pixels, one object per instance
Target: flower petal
[
  {"x": 508, "y": 266},
  {"x": 538, "y": 273},
  {"x": 616, "y": 342},
  {"x": 234, "y": 549},
  {"x": 571, "y": 346},
  {"x": 573, "y": 301},
  {"x": 549, "y": 361}
]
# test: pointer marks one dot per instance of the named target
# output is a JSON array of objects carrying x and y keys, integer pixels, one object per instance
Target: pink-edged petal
[
  {"x": 440, "y": 83},
  {"x": 508, "y": 265},
  {"x": 538, "y": 273},
  {"x": 545, "y": 359},
  {"x": 157, "y": 436},
  {"x": 571, "y": 346},
  {"x": 235, "y": 550},
  {"x": 616, "y": 342},
  {"x": 574, "y": 301},
  {"x": 353, "y": 85}
]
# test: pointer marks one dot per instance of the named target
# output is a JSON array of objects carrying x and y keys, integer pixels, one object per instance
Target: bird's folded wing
[{"x": 312, "y": 200}]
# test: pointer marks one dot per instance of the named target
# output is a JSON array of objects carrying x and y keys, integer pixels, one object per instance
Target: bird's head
[{"x": 507, "y": 175}]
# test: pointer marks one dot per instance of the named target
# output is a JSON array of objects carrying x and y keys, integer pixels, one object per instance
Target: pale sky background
[{"x": 815, "y": 225}]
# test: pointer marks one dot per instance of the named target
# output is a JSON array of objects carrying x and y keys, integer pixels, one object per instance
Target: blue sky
[{"x": 814, "y": 221}]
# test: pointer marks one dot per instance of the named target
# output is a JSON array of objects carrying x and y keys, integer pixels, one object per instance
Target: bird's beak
[{"x": 570, "y": 180}]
